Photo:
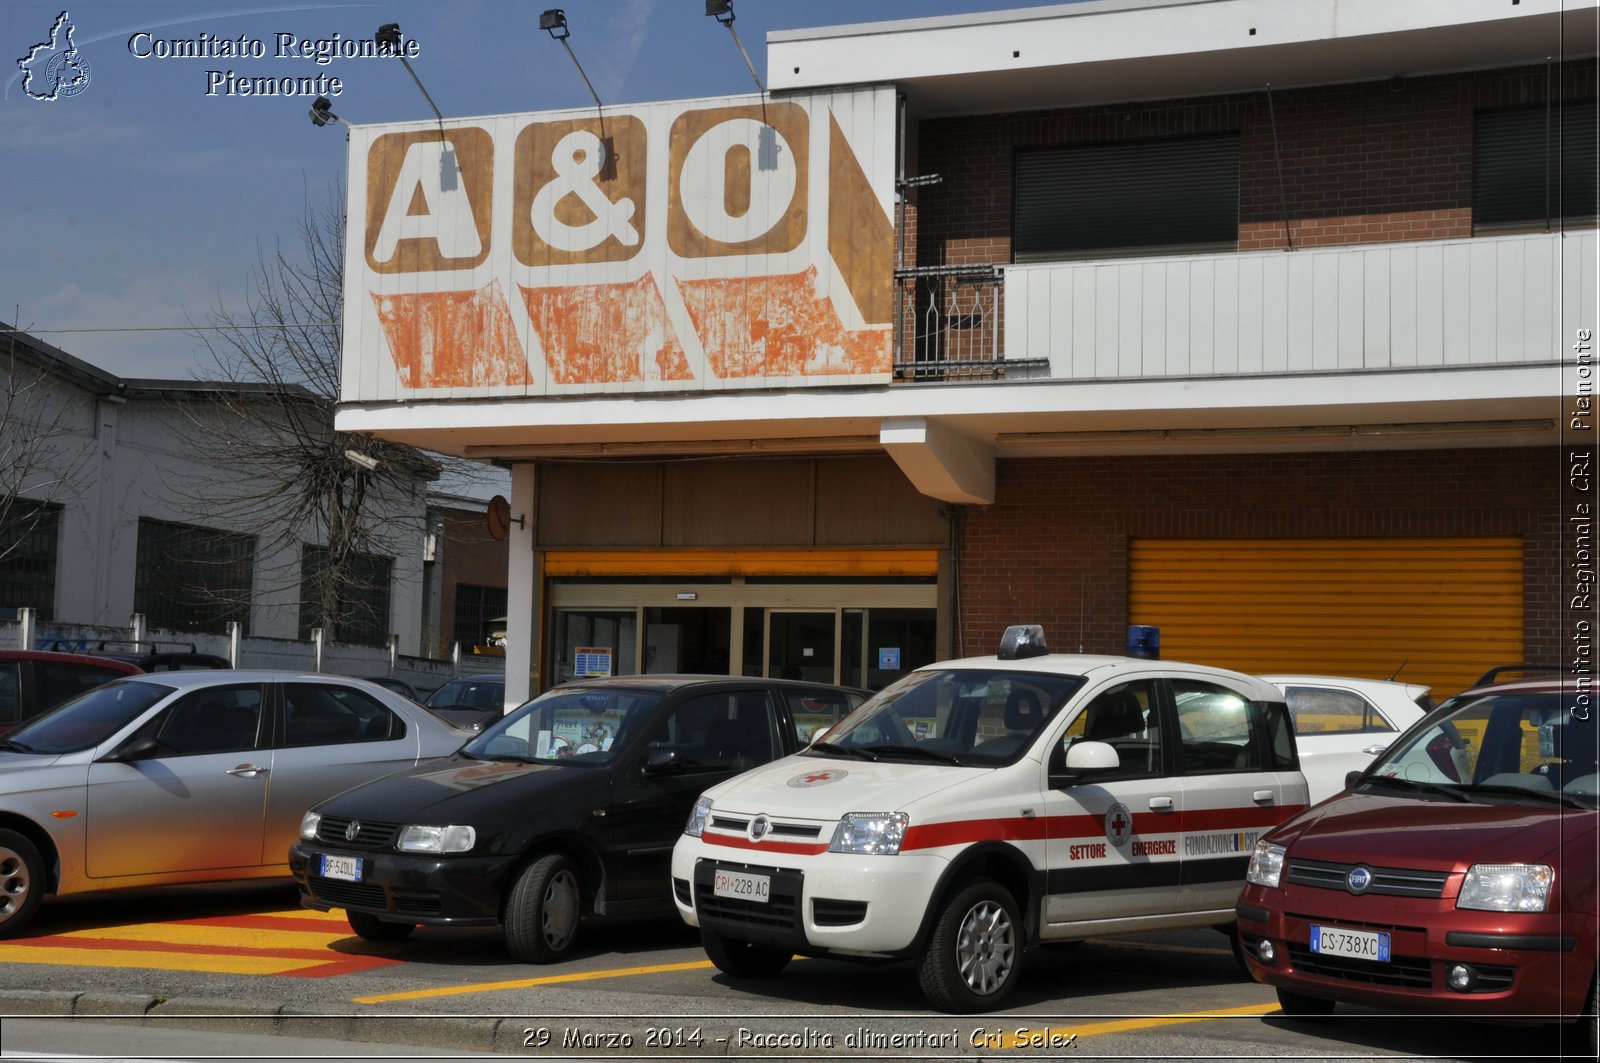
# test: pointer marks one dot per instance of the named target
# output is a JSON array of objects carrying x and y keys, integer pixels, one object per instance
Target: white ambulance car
[{"x": 980, "y": 806}]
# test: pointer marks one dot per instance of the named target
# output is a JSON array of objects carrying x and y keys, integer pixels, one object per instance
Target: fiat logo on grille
[
  {"x": 352, "y": 830},
  {"x": 1358, "y": 880},
  {"x": 759, "y": 827}
]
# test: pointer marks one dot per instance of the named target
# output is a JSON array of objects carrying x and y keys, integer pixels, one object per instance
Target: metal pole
[
  {"x": 136, "y": 621},
  {"x": 233, "y": 642},
  {"x": 316, "y": 646},
  {"x": 25, "y": 627},
  {"x": 394, "y": 651}
]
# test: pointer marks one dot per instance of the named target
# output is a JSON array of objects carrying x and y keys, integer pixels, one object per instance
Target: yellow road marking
[
  {"x": 526, "y": 983},
  {"x": 1065, "y": 1035},
  {"x": 228, "y": 936},
  {"x": 164, "y": 961}
]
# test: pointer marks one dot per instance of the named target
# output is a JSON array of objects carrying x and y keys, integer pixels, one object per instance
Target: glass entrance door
[{"x": 801, "y": 645}]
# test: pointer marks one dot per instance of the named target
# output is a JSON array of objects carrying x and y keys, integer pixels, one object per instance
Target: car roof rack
[{"x": 1493, "y": 675}]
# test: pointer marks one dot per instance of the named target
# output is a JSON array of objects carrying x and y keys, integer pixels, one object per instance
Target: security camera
[{"x": 366, "y": 461}]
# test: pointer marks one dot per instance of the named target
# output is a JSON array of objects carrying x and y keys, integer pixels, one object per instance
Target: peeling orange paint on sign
[
  {"x": 453, "y": 339},
  {"x": 757, "y": 233},
  {"x": 778, "y": 327},
  {"x": 606, "y": 333}
]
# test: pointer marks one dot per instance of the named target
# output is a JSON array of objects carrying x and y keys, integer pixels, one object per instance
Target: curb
[{"x": 483, "y": 1034}]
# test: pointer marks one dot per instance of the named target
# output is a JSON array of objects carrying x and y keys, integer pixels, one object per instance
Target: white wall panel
[{"x": 1489, "y": 300}]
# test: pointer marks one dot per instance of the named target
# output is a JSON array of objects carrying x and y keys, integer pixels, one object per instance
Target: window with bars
[
  {"x": 480, "y": 612},
  {"x": 29, "y": 536},
  {"x": 189, "y": 578},
  {"x": 1534, "y": 166},
  {"x": 1146, "y": 196},
  {"x": 360, "y": 595}
]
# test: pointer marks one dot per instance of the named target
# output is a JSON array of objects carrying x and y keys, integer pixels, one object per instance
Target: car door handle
[
  {"x": 1161, "y": 804},
  {"x": 247, "y": 769},
  {"x": 1262, "y": 797},
  {"x": 1373, "y": 750}
]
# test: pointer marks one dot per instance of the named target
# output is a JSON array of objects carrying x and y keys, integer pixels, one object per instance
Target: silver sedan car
[{"x": 189, "y": 777}]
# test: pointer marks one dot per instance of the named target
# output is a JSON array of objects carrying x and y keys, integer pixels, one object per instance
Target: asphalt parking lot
[{"x": 250, "y": 960}]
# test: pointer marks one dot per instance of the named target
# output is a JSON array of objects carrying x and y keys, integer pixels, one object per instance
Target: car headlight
[
  {"x": 423, "y": 839},
  {"x": 309, "y": 824},
  {"x": 871, "y": 833},
  {"x": 1507, "y": 887},
  {"x": 1266, "y": 865},
  {"x": 699, "y": 816}
]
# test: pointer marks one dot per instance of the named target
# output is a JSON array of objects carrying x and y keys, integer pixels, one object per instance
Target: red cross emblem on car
[
  {"x": 1119, "y": 823},
  {"x": 818, "y": 778}
]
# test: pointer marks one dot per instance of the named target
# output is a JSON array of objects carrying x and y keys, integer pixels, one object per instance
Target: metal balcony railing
[{"x": 949, "y": 324}]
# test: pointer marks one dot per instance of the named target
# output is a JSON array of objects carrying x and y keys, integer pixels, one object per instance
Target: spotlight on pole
[
  {"x": 722, "y": 11},
  {"x": 389, "y": 42}
]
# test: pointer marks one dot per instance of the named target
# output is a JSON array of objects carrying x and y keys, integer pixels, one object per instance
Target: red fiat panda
[{"x": 1456, "y": 874}]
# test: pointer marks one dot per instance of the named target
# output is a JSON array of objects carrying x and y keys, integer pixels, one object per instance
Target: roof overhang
[
  {"x": 1117, "y": 51},
  {"x": 947, "y": 437}
]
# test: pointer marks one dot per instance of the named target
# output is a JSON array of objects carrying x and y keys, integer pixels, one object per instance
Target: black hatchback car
[{"x": 565, "y": 810}]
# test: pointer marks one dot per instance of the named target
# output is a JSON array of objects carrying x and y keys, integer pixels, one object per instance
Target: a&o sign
[{"x": 674, "y": 246}]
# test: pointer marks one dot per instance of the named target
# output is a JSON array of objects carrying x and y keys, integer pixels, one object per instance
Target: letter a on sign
[{"x": 416, "y": 220}]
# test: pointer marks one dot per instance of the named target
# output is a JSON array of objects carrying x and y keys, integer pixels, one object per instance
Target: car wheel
[
  {"x": 975, "y": 952},
  {"x": 542, "y": 911},
  {"x": 21, "y": 882},
  {"x": 1299, "y": 1006},
  {"x": 371, "y": 928},
  {"x": 743, "y": 959}
]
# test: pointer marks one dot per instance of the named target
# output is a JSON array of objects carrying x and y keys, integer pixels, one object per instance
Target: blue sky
[{"x": 139, "y": 203}]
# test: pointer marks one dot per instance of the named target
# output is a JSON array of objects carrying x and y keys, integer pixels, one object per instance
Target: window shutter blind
[{"x": 1089, "y": 198}]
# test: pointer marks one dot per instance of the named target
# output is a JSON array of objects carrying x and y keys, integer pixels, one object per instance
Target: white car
[
  {"x": 976, "y": 807},
  {"x": 1341, "y": 725}
]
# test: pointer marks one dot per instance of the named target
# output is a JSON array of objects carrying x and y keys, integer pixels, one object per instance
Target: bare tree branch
[{"x": 284, "y": 470}]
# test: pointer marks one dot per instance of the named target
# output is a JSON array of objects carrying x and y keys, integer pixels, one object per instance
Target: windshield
[
  {"x": 584, "y": 725},
  {"x": 87, "y": 720},
  {"x": 1522, "y": 743},
  {"x": 972, "y": 716},
  {"x": 467, "y": 692}
]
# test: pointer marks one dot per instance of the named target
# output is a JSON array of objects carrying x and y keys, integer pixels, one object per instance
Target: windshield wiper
[
  {"x": 844, "y": 751},
  {"x": 918, "y": 751},
  {"x": 1425, "y": 787},
  {"x": 19, "y": 747},
  {"x": 1549, "y": 797}
]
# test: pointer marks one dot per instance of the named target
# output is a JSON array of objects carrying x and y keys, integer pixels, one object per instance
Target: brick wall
[
  {"x": 1053, "y": 548},
  {"x": 1362, "y": 163}
]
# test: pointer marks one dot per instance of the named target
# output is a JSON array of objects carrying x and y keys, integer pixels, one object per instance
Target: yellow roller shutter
[{"x": 1446, "y": 608}]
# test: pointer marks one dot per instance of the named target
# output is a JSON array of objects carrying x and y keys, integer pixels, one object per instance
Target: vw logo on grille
[
  {"x": 759, "y": 827},
  {"x": 353, "y": 829},
  {"x": 1358, "y": 880}
]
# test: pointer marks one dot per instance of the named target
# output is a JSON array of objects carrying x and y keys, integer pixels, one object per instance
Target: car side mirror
[
  {"x": 1083, "y": 758},
  {"x": 134, "y": 749},
  {"x": 662, "y": 762},
  {"x": 1353, "y": 777}
]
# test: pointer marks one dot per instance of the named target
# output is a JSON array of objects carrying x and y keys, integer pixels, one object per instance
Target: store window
[{"x": 594, "y": 642}]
